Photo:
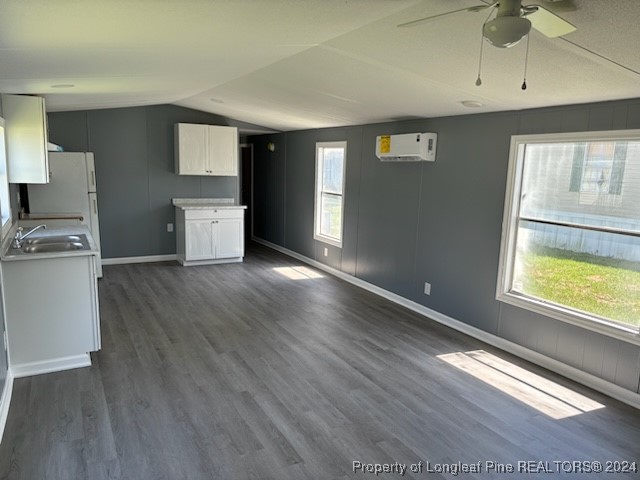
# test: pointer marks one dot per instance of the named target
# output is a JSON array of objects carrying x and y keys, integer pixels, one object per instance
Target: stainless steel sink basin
[
  {"x": 52, "y": 247},
  {"x": 53, "y": 239}
]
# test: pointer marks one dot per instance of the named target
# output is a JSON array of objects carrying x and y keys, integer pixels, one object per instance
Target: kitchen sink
[
  {"x": 53, "y": 247},
  {"x": 51, "y": 244},
  {"x": 54, "y": 239}
]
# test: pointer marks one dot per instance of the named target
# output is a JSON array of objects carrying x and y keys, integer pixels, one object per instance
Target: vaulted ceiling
[{"x": 293, "y": 64}]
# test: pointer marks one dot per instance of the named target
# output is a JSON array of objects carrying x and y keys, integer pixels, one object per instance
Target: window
[
  {"x": 5, "y": 205},
  {"x": 571, "y": 231},
  {"x": 330, "y": 167}
]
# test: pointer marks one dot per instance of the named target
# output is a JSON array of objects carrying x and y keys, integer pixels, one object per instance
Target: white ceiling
[{"x": 293, "y": 64}]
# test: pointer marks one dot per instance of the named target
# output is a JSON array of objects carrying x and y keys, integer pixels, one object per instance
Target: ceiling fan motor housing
[{"x": 509, "y": 8}]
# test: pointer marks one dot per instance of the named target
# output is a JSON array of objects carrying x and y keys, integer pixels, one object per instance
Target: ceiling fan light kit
[{"x": 505, "y": 32}]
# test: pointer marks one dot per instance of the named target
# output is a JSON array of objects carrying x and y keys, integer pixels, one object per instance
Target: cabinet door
[
  {"x": 229, "y": 238},
  {"x": 26, "y": 134},
  {"x": 223, "y": 150},
  {"x": 199, "y": 240},
  {"x": 192, "y": 149}
]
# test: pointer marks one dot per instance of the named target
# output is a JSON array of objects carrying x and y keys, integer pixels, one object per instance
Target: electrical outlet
[
  {"x": 326, "y": 252},
  {"x": 427, "y": 288},
  {"x": 169, "y": 227}
]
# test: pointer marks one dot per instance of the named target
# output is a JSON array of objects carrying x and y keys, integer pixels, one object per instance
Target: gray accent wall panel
[
  {"x": 69, "y": 130},
  {"x": 628, "y": 366},
  {"x": 570, "y": 344},
  {"x": 388, "y": 207},
  {"x": 601, "y": 118},
  {"x": 620, "y": 114},
  {"x": 117, "y": 139},
  {"x": 164, "y": 184},
  {"x": 593, "y": 354},
  {"x": 344, "y": 258},
  {"x": 134, "y": 154},
  {"x": 633, "y": 116},
  {"x": 349, "y": 258},
  {"x": 299, "y": 202},
  {"x": 461, "y": 214},
  {"x": 440, "y": 222}
]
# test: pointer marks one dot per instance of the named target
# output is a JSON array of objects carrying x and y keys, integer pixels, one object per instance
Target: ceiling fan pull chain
[
  {"x": 479, "y": 80},
  {"x": 526, "y": 61}
]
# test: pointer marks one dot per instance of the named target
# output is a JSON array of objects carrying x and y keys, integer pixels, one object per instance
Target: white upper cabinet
[
  {"x": 206, "y": 150},
  {"x": 223, "y": 150},
  {"x": 26, "y": 136}
]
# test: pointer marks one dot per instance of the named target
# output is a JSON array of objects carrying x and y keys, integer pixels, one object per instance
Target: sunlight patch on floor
[
  {"x": 533, "y": 390},
  {"x": 297, "y": 273}
]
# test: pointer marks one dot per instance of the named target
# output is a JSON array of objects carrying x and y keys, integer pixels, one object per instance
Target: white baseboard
[
  {"x": 5, "y": 402},
  {"x": 194, "y": 263},
  {"x": 143, "y": 259},
  {"x": 47, "y": 366},
  {"x": 572, "y": 373}
]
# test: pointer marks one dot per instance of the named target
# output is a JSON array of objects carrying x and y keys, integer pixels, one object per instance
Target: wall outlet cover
[
  {"x": 169, "y": 227},
  {"x": 427, "y": 288}
]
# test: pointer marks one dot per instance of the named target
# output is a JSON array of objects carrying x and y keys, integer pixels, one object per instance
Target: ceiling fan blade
[
  {"x": 420, "y": 21},
  {"x": 549, "y": 23},
  {"x": 560, "y": 6}
]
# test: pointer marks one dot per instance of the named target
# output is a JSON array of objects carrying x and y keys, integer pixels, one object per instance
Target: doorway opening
[{"x": 246, "y": 187}]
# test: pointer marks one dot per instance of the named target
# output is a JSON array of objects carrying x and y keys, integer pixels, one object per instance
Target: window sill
[
  {"x": 594, "y": 324},
  {"x": 330, "y": 241}
]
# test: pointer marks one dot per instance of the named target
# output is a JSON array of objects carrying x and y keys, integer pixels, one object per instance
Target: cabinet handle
[{"x": 93, "y": 178}]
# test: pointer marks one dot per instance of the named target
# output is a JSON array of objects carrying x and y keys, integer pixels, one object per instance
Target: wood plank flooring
[{"x": 257, "y": 371}]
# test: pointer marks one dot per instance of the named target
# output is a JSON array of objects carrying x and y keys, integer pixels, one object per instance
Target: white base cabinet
[
  {"x": 208, "y": 236},
  {"x": 52, "y": 313}
]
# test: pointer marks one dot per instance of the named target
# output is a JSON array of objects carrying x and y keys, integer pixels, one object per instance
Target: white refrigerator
[{"x": 71, "y": 190}]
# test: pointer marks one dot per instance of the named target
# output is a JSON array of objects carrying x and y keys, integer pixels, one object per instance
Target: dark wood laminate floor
[{"x": 257, "y": 371}]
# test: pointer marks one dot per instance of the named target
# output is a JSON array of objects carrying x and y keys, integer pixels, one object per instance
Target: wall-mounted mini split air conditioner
[{"x": 408, "y": 147}]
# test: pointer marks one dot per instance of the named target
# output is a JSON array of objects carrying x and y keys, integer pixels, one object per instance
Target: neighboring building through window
[
  {"x": 329, "y": 200},
  {"x": 571, "y": 239}
]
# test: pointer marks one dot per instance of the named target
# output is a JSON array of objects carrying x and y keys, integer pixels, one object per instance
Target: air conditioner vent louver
[{"x": 408, "y": 147}]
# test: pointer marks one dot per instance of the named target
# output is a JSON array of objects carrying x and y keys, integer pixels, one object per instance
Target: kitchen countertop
[
  {"x": 49, "y": 232},
  {"x": 205, "y": 203}
]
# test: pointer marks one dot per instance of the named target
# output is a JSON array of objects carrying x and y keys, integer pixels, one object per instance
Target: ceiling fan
[{"x": 513, "y": 21}]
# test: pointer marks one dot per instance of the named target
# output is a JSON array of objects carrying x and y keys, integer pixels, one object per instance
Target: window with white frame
[
  {"x": 329, "y": 201},
  {"x": 5, "y": 205},
  {"x": 571, "y": 231}
]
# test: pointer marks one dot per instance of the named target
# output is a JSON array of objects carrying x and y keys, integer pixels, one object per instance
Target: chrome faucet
[{"x": 19, "y": 237}]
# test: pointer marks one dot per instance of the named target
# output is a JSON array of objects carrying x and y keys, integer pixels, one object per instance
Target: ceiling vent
[{"x": 408, "y": 147}]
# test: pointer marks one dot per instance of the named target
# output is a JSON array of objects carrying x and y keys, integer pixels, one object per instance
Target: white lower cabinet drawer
[{"x": 214, "y": 214}]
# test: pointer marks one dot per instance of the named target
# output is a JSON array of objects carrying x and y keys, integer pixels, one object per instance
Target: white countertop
[
  {"x": 7, "y": 254},
  {"x": 205, "y": 203}
]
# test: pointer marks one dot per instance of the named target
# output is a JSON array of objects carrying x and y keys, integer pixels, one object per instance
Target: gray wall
[
  {"x": 407, "y": 223},
  {"x": 134, "y": 154}
]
